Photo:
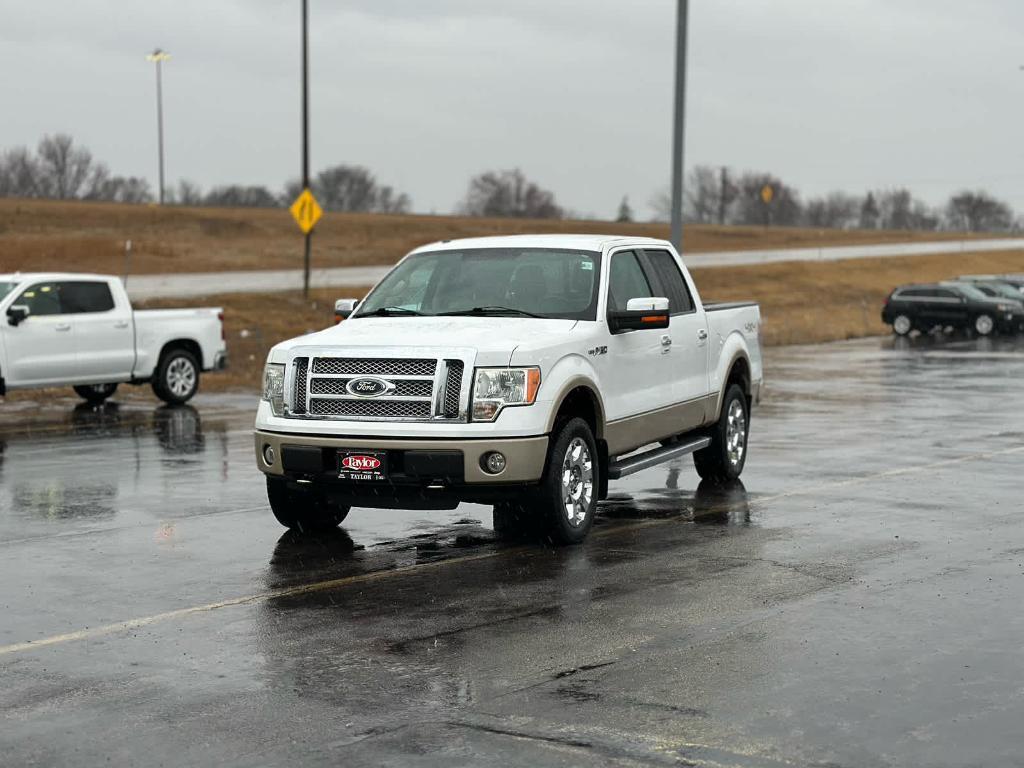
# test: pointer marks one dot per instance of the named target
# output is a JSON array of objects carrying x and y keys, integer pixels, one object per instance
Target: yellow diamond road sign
[
  {"x": 767, "y": 194},
  {"x": 306, "y": 211}
]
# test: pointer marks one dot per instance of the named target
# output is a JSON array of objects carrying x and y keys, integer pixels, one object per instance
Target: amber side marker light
[{"x": 654, "y": 319}]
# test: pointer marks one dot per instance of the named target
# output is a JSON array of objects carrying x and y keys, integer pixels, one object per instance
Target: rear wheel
[
  {"x": 984, "y": 325},
  {"x": 95, "y": 393},
  {"x": 177, "y": 376},
  {"x": 305, "y": 511},
  {"x": 723, "y": 460},
  {"x": 902, "y": 325}
]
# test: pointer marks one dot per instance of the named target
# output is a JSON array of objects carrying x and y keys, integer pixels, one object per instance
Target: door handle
[
  {"x": 121, "y": 324},
  {"x": 666, "y": 341},
  {"x": 702, "y": 334},
  {"x": 62, "y": 327}
]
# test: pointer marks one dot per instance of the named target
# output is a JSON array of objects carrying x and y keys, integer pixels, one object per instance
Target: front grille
[
  {"x": 301, "y": 366},
  {"x": 364, "y": 366},
  {"x": 403, "y": 387},
  {"x": 453, "y": 388},
  {"x": 370, "y": 409}
]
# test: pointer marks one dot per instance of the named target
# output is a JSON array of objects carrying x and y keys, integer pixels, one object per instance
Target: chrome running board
[{"x": 633, "y": 464}]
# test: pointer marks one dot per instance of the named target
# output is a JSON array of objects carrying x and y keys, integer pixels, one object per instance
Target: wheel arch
[{"x": 189, "y": 345}]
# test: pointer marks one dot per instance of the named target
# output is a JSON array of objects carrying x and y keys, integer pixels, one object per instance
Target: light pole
[
  {"x": 159, "y": 56},
  {"x": 305, "y": 137},
  {"x": 679, "y": 126}
]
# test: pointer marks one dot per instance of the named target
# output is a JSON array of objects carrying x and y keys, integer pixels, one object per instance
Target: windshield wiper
[
  {"x": 389, "y": 311},
  {"x": 490, "y": 310}
]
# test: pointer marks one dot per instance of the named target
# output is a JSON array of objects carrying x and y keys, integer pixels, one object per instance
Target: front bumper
[{"x": 525, "y": 456}]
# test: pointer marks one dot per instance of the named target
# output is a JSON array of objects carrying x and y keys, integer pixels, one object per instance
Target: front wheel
[
  {"x": 304, "y": 511},
  {"x": 568, "y": 491},
  {"x": 94, "y": 394},
  {"x": 177, "y": 377},
  {"x": 723, "y": 460},
  {"x": 984, "y": 325}
]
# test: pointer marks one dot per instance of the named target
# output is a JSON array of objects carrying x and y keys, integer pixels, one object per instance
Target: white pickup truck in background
[
  {"x": 80, "y": 330},
  {"x": 524, "y": 372}
]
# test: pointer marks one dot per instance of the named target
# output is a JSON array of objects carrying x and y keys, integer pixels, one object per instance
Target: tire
[
  {"x": 94, "y": 394},
  {"x": 984, "y": 325},
  {"x": 177, "y": 376},
  {"x": 567, "y": 496},
  {"x": 303, "y": 511},
  {"x": 723, "y": 460},
  {"x": 902, "y": 325}
]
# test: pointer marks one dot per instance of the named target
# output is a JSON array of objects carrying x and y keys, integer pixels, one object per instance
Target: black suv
[{"x": 925, "y": 306}]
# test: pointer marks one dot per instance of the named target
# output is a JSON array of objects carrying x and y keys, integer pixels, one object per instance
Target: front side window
[
  {"x": 41, "y": 299},
  {"x": 627, "y": 281},
  {"x": 560, "y": 284},
  {"x": 6, "y": 288}
]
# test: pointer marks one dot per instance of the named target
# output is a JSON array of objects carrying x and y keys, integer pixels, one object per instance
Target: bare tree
[
  {"x": 899, "y": 209},
  {"x": 509, "y": 193},
  {"x": 837, "y": 210},
  {"x": 188, "y": 193},
  {"x": 351, "y": 188},
  {"x": 64, "y": 168},
  {"x": 781, "y": 206},
  {"x": 19, "y": 174},
  {"x": 869, "y": 213},
  {"x": 239, "y": 196},
  {"x": 978, "y": 212}
]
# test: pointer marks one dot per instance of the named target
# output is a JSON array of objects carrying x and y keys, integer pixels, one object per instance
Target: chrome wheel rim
[
  {"x": 902, "y": 325},
  {"x": 181, "y": 376},
  {"x": 577, "y": 482},
  {"x": 735, "y": 432},
  {"x": 983, "y": 325}
]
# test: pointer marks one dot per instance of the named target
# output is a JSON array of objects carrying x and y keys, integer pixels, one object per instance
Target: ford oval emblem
[{"x": 368, "y": 386}]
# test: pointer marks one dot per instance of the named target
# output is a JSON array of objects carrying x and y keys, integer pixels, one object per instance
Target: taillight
[{"x": 220, "y": 316}]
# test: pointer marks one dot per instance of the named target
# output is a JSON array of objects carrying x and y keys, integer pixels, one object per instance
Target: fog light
[
  {"x": 494, "y": 463},
  {"x": 268, "y": 455}
]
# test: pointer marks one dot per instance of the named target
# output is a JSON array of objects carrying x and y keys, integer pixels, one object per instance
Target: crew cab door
[
  {"x": 104, "y": 334},
  {"x": 41, "y": 348},
  {"x": 687, "y": 347},
  {"x": 636, "y": 369}
]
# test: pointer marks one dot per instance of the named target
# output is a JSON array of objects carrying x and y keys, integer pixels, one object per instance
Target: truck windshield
[
  {"x": 517, "y": 282},
  {"x": 6, "y": 288}
]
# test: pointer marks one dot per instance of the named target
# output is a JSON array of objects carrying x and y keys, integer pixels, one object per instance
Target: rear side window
[
  {"x": 79, "y": 297},
  {"x": 627, "y": 281},
  {"x": 947, "y": 295},
  {"x": 666, "y": 271}
]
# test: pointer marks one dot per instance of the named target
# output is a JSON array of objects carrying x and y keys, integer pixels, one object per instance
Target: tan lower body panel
[
  {"x": 524, "y": 456},
  {"x": 628, "y": 434}
]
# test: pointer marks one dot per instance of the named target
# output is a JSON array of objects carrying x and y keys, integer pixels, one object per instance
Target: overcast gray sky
[{"x": 844, "y": 94}]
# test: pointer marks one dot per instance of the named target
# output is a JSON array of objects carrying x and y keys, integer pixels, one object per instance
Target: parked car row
[{"x": 980, "y": 304}]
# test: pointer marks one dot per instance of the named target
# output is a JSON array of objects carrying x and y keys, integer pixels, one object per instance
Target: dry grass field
[{"x": 50, "y": 235}]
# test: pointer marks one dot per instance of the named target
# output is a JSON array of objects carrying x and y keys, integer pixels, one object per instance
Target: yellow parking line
[{"x": 130, "y": 624}]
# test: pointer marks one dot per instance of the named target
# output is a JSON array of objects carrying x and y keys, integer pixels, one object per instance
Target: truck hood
[{"x": 493, "y": 338}]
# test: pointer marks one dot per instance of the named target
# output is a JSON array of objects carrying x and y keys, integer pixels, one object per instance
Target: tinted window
[
  {"x": 84, "y": 296},
  {"x": 41, "y": 299},
  {"x": 627, "y": 281},
  {"x": 667, "y": 272},
  {"x": 946, "y": 294}
]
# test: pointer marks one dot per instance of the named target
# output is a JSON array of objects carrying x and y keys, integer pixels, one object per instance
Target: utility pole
[
  {"x": 305, "y": 136},
  {"x": 679, "y": 124},
  {"x": 159, "y": 56}
]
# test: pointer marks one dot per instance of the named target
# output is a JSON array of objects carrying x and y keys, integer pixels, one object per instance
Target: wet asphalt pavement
[{"x": 856, "y": 602}]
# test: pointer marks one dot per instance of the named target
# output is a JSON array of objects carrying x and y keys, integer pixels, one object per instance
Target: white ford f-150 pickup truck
[
  {"x": 524, "y": 372},
  {"x": 80, "y": 330}
]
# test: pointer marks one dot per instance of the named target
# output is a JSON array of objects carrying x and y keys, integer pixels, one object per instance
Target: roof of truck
[{"x": 569, "y": 242}]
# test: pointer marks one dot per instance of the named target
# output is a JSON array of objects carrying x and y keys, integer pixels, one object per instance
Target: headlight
[
  {"x": 494, "y": 388},
  {"x": 1004, "y": 308},
  {"x": 273, "y": 387}
]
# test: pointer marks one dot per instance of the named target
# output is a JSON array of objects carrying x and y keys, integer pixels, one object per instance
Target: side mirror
[
  {"x": 343, "y": 308},
  {"x": 640, "y": 314},
  {"x": 17, "y": 313}
]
